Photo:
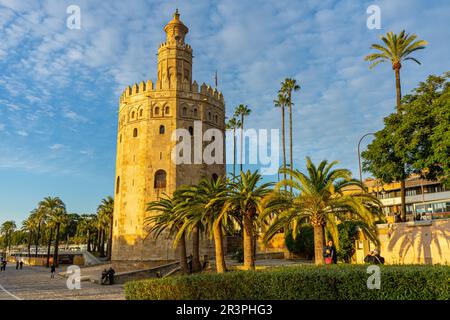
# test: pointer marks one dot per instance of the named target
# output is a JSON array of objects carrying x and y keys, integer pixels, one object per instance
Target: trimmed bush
[
  {"x": 303, "y": 244},
  {"x": 337, "y": 282}
]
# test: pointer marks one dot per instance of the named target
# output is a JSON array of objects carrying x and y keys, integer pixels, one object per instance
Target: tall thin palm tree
[
  {"x": 107, "y": 209},
  {"x": 319, "y": 198},
  {"x": 50, "y": 205},
  {"x": 28, "y": 226},
  {"x": 38, "y": 216},
  {"x": 395, "y": 49},
  {"x": 206, "y": 200},
  {"x": 244, "y": 203},
  {"x": 281, "y": 103},
  {"x": 242, "y": 111},
  {"x": 6, "y": 230},
  {"x": 288, "y": 86},
  {"x": 234, "y": 124},
  {"x": 167, "y": 221},
  {"x": 59, "y": 219}
]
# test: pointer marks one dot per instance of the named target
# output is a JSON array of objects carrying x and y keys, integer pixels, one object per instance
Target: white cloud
[
  {"x": 56, "y": 146},
  {"x": 22, "y": 133}
]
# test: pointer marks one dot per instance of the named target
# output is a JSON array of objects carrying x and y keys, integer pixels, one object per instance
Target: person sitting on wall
[
  {"x": 374, "y": 257},
  {"x": 104, "y": 276},
  {"x": 111, "y": 273}
]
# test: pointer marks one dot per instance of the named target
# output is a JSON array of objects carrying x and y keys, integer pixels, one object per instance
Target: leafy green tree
[
  {"x": 106, "y": 210},
  {"x": 59, "y": 219},
  {"x": 6, "y": 230},
  {"x": 51, "y": 206},
  {"x": 319, "y": 199},
  {"x": 396, "y": 49}
]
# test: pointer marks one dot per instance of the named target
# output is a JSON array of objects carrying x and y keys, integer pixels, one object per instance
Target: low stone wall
[{"x": 420, "y": 242}]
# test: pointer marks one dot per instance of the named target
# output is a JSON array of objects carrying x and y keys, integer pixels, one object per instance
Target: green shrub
[
  {"x": 348, "y": 234},
  {"x": 303, "y": 244},
  {"x": 337, "y": 282}
]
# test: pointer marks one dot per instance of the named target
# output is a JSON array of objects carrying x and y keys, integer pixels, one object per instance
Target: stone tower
[{"x": 148, "y": 115}]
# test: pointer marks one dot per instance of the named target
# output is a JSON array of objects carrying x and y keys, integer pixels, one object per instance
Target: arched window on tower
[
  {"x": 167, "y": 110},
  {"x": 209, "y": 115},
  {"x": 135, "y": 132},
  {"x": 141, "y": 113},
  {"x": 195, "y": 112},
  {"x": 117, "y": 185},
  {"x": 184, "y": 111},
  {"x": 157, "y": 111},
  {"x": 132, "y": 115},
  {"x": 162, "y": 129},
  {"x": 160, "y": 179}
]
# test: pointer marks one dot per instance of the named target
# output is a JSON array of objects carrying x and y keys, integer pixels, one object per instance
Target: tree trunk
[
  {"x": 30, "y": 237},
  {"x": 242, "y": 139},
  {"x": 88, "y": 241},
  {"x": 37, "y": 239},
  {"x": 102, "y": 243},
  {"x": 196, "y": 265},
  {"x": 318, "y": 244},
  {"x": 234, "y": 153},
  {"x": 291, "y": 161},
  {"x": 218, "y": 244},
  {"x": 398, "y": 88},
  {"x": 283, "y": 143},
  {"x": 249, "y": 261},
  {"x": 183, "y": 257},
  {"x": 110, "y": 236},
  {"x": 55, "y": 253},
  {"x": 49, "y": 244}
]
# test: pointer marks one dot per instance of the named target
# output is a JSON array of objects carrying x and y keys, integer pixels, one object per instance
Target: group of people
[
  {"x": 108, "y": 276},
  {"x": 19, "y": 264},
  {"x": 330, "y": 255}
]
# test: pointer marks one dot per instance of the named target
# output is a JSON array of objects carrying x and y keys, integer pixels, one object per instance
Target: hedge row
[{"x": 339, "y": 282}]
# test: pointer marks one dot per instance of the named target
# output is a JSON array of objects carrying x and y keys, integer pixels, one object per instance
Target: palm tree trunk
[
  {"x": 291, "y": 162},
  {"x": 242, "y": 138},
  {"x": 234, "y": 153},
  {"x": 218, "y": 244},
  {"x": 110, "y": 236},
  {"x": 55, "y": 253},
  {"x": 283, "y": 142},
  {"x": 88, "y": 241},
  {"x": 37, "y": 239},
  {"x": 49, "y": 244},
  {"x": 196, "y": 265},
  {"x": 249, "y": 258},
  {"x": 318, "y": 244},
  {"x": 183, "y": 256},
  {"x": 398, "y": 88},
  {"x": 102, "y": 243},
  {"x": 30, "y": 237}
]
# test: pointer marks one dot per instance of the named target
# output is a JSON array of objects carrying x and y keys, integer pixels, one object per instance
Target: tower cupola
[{"x": 176, "y": 30}]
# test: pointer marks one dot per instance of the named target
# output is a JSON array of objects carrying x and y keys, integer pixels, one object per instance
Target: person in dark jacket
[
  {"x": 111, "y": 273},
  {"x": 52, "y": 271},
  {"x": 374, "y": 257},
  {"x": 329, "y": 253}
]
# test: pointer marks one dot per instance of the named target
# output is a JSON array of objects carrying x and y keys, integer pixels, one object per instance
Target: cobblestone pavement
[{"x": 34, "y": 283}]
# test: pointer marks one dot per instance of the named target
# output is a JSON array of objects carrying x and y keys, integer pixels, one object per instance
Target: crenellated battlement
[
  {"x": 204, "y": 91},
  {"x": 185, "y": 46}
]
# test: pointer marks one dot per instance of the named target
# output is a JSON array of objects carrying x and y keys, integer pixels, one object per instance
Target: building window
[
  {"x": 184, "y": 111},
  {"x": 167, "y": 110},
  {"x": 120, "y": 139},
  {"x": 160, "y": 179},
  {"x": 195, "y": 112},
  {"x": 209, "y": 115},
  {"x": 132, "y": 115},
  {"x": 161, "y": 129},
  {"x": 156, "y": 111},
  {"x": 141, "y": 113},
  {"x": 117, "y": 185},
  {"x": 191, "y": 131},
  {"x": 216, "y": 119},
  {"x": 135, "y": 132}
]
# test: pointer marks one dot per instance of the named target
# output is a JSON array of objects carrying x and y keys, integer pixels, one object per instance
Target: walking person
[
  {"x": 17, "y": 264},
  {"x": 52, "y": 271},
  {"x": 329, "y": 253},
  {"x": 20, "y": 264}
]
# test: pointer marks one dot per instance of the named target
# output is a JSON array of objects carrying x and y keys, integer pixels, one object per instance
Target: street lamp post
[{"x": 359, "y": 153}]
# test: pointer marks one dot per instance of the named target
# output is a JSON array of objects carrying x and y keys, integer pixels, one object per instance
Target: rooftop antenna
[{"x": 215, "y": 79}]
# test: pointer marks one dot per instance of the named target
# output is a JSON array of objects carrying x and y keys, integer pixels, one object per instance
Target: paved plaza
[{"x": 34, "y": 283}]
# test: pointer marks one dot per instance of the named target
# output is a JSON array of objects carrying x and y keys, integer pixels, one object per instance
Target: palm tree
[
  {"x": 242, "y": 111},
  {"x": 281, "y": 103},
  {"x": 38, "y": 216},
  {"x": 396, "y": 49},
  {"x": 85, "y": 227},
  {"x": 167, "y": 220},
  {"x": 287, "y": 87},
  {"x": 206, "y": 200},
  {"x": 29, "y": 226},
  {"x": 59, "y": 218},
  {"x": 50, "y": 205},
  {"x": 244, "y": 201},
  {"x": 234, "y": 124},
  {"x": 6, "y": 230},
  {"x": 107, "y": 209},
  {"x": 319, "y": 199}
]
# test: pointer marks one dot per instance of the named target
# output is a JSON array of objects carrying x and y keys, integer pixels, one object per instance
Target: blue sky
[{"x": 59, "y": 88}]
